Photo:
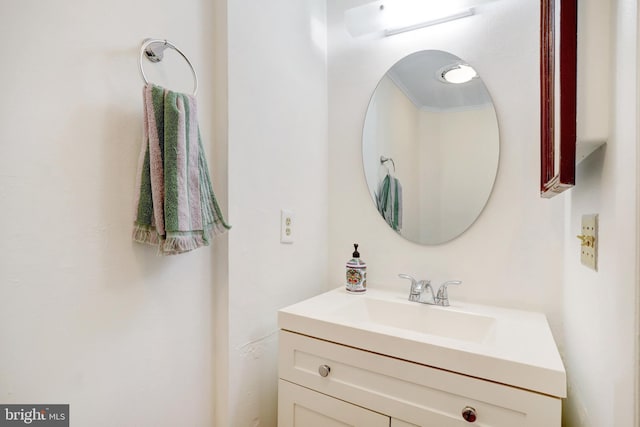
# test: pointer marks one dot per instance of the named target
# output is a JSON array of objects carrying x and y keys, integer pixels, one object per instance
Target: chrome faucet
[
  {"x": 421, "y": 287},
  {"x": 418, "y": 288},
  {"x": 442, "y": 298}
]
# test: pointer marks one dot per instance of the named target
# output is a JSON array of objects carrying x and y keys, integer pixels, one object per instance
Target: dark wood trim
[{"x": 552, "y": 183}]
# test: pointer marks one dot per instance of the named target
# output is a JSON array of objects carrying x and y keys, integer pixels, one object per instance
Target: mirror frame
[{"x": 551, "y": 182}]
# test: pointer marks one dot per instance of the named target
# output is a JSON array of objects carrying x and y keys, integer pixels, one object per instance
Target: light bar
[{"x": 452, "y": 17}]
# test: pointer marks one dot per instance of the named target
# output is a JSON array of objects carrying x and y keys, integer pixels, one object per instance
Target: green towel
[
  {"x": 176, "y": 208},
  {"x": 389, "y": 201}
]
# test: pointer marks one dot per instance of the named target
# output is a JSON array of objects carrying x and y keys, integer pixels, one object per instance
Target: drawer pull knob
[
  {"x": 469, "y": 414},
  {"x": 324, "y": 370}
]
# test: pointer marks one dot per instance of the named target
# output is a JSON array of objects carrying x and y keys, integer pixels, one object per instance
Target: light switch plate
[{"x": 589, "y": 245}]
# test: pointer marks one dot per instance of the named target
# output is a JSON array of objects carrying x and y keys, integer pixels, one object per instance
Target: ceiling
[{"x": 417, "y": 75}]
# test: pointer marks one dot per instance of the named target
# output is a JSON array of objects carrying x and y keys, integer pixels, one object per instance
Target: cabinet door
[{"x": 300, "y": 407}]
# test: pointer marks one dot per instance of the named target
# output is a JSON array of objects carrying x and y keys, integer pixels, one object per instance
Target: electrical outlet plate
[
  {"x": 589, "y": 246},
  {"x": 286, "y": 226}
]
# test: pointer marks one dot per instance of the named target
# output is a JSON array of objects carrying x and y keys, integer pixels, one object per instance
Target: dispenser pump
[{"x": 356, "y": 273}]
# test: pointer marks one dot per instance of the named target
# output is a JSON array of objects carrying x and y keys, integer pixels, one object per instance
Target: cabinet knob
[
  {"x": 324, "y": 370},
  {"x": 469, "y": 414}
]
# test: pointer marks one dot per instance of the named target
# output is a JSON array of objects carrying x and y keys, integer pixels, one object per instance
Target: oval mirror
[{"x": 430, "y": 146}]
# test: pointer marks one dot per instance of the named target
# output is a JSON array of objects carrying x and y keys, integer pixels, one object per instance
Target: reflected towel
[
  {"x": 389, "y": 201},
  {"x": 176, "y": 208}
]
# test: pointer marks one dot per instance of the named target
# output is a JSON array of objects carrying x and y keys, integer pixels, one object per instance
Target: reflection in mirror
[{"x": 430, "y": 147}]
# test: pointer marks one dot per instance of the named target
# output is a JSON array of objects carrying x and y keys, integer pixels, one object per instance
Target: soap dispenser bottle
[{"x": 356, "y": 273}]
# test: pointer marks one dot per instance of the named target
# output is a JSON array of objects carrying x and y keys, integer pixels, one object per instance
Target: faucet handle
[
  {"x": 416, "y": 287},
  {"x": 406, "y": 276},
  {"x": 443, "y": 296}
]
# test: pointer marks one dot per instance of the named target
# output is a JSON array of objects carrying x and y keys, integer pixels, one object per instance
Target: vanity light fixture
[
  {"x": 458, "y": 73},
  {"x": 434, "y": 21}
]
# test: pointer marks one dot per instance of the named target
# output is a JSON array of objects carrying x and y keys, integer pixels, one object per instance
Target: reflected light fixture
[
  {"x": 458, "y": 73},
  {"x": 435, "y": 20}
]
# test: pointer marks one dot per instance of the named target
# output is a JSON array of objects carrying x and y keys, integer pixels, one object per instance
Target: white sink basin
[
  {"x": 397, "y": 313},
  {"x": 506, "y": 346}
]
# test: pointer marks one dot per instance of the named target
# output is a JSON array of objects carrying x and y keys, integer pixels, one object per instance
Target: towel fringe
[
  {"x": 143, "y": 234},
  {"x": 179, "y": 244},
  {"x": 176, "y": 244}
]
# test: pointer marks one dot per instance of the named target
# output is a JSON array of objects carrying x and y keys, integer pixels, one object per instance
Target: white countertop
[{"x": 506, "y": 346}]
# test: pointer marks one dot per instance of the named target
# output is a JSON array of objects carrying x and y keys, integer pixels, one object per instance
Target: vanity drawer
[{"x": 414, "y": 393}]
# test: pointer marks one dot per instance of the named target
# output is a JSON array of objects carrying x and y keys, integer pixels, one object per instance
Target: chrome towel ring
[
  {"x": 384, "y": 160},
  {"x": 154, "y": 49}
]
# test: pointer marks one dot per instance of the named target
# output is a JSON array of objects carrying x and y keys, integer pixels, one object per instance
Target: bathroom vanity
[{"x": 379, "y": 360}]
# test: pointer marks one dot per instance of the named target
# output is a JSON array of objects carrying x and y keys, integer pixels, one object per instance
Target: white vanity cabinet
[
  {"x": 326, "y": 384},
  {"x": 302, "y": 407}
]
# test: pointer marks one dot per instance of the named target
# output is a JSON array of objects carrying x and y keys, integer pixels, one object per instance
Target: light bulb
[{"x": 461, "y": 73}]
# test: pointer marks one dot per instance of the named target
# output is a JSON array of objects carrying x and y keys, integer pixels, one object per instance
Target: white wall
[
  {"x": 512, "y": 256},
  {"x": 599, "y": 307},
  {"x": 86, "y": 316},
  {"x": 277, "y": 159}
]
